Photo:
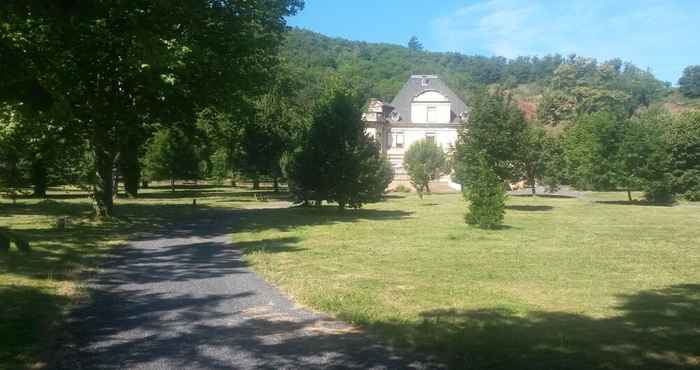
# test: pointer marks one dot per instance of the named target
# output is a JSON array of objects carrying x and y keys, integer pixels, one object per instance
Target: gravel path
[{"x": 186, "y": 300}]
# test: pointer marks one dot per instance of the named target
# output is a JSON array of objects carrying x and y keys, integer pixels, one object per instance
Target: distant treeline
[{"x": 570, "y": 82}]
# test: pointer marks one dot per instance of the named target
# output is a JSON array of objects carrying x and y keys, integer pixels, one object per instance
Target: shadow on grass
[
  {"x": 26, "y": 314},
  {"x": 142, "y": 329},
  {"x": 657, "y": 329},
  {"x": 529, "y": 208},
  {"x": 199, "y": 323},
  {"x": 643, "y": 203},
  {"x": 552, "y": 196}
]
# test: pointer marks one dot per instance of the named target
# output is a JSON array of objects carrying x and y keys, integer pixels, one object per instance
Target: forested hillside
[{"x": 557, "y": 87}]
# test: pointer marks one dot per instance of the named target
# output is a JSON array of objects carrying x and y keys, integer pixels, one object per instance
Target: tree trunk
[
  {"x": 629, "y": 195},
  {"x": 102, "y": 186},
  {"x": 233, "y": 182},
  {"x": 130, "y": 171},
  {"x": 275, "y": 184},
  {"x": 172, "y": 185},
  {"x": 115, "y": 185},
  {"x": 39, "y": 178},
  {"x": 534, "y": 190},
  {"x": 427, "y": 187},
  {"x": 256, "y": 183}
]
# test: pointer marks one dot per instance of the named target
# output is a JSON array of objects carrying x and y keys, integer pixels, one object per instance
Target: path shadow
[
  {"x": 138, "y": 329},
  {"x": 655, "y": 329},
  {"x": 172, "y": 300},
  {"x": 529, "y": 208}
]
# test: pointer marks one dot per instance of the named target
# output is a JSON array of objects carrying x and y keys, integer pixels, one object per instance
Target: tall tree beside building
[
  {"x": 337, "y": 161},
  {"x": 495, "y": 131}
]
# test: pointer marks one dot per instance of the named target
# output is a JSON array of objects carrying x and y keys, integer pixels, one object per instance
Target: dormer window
[
  {"x": 395, "y": 116},
  {"x": 424, "y": 82},
  {"x": 464, "y": 116}
]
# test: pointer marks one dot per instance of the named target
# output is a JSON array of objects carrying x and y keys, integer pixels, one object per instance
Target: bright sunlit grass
[{"x": 568, "y": 283}]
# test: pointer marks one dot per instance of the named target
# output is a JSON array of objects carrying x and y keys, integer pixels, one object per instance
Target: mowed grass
[
  {"x": 37, "y": 289},
  {"x": 567, "y": 284}
]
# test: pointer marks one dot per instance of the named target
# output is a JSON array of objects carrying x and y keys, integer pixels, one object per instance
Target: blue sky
[{"x": 661, "y": 35}]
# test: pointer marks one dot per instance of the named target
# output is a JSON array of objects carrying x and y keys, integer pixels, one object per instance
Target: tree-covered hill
[{"x": 559, "y": 86}]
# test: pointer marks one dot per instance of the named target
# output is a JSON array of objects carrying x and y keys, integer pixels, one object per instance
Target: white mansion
[{"x": 424, "y": 108}]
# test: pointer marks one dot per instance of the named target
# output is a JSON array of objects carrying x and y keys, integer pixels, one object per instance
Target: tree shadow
[
  {"x": 139, "y": 329},
  {"x": 656, "y": 329},
  {"x": 26, "y": 314},
  {"x": 552, "y": 196},
  {"x": 168, "y": 300},
  {"x": 529, "y": 208},
  {"x": 642, "y": 203}
]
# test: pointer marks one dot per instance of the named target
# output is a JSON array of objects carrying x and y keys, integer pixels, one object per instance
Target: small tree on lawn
[
  {"x": 425, "y": 161},
  {"x": 486, "y": 195},
  {"x": 172, "y": 155},
  {"x": 533, "y": 155},
  {"x": 337, "y": 162}
]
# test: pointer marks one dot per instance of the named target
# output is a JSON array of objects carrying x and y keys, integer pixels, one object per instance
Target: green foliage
[
  {"x": 582, "y": 86},
  {"x": 591, "y": 147},
  {"x": 603, "y": 151},
  {"x": 172, "y": 155},
  {"x": 554, "y": 163},
  {"x": 643, "y": 156},
  {"x": 414, "y": 44},
  {"x": 495, "y": 131},
  {"x": 689, "y": 83},
  {"x": 487, "y": 196},
  {"x": 532, "y": 156},
  {"x": 683, "y": 137},
  {"x": 122, "y": 67},
  {"x": 337, "y": 162},
  {"x": 424, "y": 162}
]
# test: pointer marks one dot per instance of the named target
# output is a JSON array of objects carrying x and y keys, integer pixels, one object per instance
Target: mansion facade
[{"x": 424, "y": 108}]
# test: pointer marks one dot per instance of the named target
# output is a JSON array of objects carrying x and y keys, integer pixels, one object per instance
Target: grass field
[
  {"x": 37, "y": 288},
  {"x": 568, "y": 283}
]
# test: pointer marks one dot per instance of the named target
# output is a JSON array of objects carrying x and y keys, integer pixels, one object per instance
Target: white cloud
[{"x": 643, "y": 31}]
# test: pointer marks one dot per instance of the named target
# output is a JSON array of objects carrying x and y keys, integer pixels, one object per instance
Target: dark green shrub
[
  {"x": 659, "y": 191},
  {"x": 487, "y": 196}
]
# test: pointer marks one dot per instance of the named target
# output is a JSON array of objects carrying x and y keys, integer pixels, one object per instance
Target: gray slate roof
[{"x": 413, "y": 87}]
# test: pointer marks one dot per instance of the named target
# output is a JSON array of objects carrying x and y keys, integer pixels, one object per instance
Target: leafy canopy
[{"x": 424, "y": 162}]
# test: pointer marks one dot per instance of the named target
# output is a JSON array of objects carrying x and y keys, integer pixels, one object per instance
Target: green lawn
[
  {"x": 568, "y": 283},
  {"x": 37, "y": 288}
]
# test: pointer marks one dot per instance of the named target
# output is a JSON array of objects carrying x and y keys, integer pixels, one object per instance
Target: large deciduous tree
[{"x": 116, "y": 66}]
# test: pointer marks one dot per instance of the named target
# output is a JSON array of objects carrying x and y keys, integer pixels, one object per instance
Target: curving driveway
[{"x": 186, "y": 300}]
